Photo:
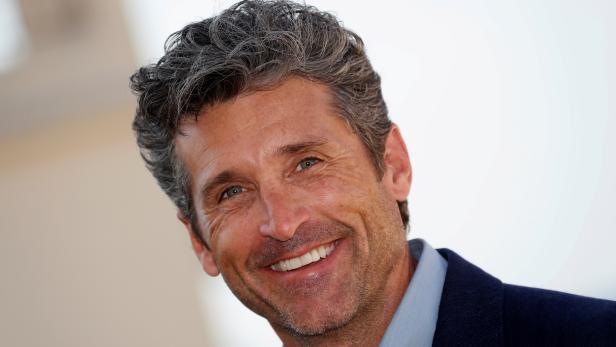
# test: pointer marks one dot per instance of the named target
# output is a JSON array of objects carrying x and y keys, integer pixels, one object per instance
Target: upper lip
[{"x": 300, "y": 251}]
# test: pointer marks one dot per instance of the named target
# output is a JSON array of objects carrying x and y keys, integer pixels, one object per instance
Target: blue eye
[
  {"x": 231, "y": 191},
  {"x": 306, "y": 164}
]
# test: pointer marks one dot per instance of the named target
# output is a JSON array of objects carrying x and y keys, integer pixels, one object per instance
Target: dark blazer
[{"x": 479, "y": 310}]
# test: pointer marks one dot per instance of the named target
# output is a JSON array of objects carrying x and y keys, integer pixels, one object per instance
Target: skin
[{"x": 277, "y": 173}]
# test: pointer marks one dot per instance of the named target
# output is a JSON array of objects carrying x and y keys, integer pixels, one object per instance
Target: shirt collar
[{"x": 414, "y": 322}]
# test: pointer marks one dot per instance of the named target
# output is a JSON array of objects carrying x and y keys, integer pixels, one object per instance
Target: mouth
[{"x": 312, "y": 256}]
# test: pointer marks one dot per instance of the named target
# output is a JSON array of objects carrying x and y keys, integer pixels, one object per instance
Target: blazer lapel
[{"x": 471, "y": 308}]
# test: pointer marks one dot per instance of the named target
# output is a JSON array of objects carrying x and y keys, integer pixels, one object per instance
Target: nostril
[
  {"x": 265, "y": 229},
  {"x": 280, "y": 230},
  {"x": 282, "y": 215}
]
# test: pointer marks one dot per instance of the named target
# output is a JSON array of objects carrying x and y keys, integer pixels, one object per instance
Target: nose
[{"x": 284, "y": 214}]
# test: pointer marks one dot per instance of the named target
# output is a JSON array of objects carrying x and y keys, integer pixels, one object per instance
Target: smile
[{"x": 309, "y": 257}]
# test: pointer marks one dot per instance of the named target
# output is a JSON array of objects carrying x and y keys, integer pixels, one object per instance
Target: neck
[{"x": 369, "y": 325}]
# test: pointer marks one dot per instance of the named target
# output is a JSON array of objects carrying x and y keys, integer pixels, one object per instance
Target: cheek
[
  {"x": 341, "y": 191},
  {"x": 345, "y": 199},
  {"x": 224, "y": 219},
  {"x": 234, "y": 236}
]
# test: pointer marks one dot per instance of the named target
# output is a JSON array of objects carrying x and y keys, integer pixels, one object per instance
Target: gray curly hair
[{"x": 253, "y": 45}]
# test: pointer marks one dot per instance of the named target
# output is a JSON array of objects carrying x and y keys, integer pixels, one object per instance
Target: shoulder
[
  {"x": 477, "y": 309},
  {"x": 533, "y": 316}
]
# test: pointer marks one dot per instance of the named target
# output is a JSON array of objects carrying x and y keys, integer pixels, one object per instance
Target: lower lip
[{"x": 310, "y": 271}]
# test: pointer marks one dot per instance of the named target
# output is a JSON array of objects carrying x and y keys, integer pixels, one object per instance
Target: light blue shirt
[{"x": 414, "y": 322}]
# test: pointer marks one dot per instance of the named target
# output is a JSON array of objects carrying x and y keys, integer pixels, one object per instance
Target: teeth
[
  {"x": 306, "y": 258},
  {"x": 314, "y": 255},
  {"x": 321, "y": 251},
  {"x": 309, "y": 257},
  {"x": 295, "y": 263}
]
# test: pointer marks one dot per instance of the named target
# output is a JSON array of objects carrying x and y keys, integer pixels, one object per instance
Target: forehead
[
  {"x": 247, "y": 128},
  {"x": 294, "y": 100}
]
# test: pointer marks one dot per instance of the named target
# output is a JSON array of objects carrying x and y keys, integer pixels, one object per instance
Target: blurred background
[{"x": 507, "y": 109}]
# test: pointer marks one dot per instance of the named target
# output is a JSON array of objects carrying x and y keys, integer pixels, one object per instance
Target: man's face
[{"x": 299, "y": 224}]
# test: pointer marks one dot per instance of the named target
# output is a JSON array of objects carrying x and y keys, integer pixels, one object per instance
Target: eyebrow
[
  {"x": 299, "y": 147},
  {"x": 289, "y": 149}
]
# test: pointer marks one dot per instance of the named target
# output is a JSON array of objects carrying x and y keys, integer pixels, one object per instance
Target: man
[{"x": 267, "y": 128}]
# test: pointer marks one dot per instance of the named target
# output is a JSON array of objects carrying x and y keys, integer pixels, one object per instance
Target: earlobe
[
  {"x": 398, "y": 172},
  {"x": 205, "y": 256}
]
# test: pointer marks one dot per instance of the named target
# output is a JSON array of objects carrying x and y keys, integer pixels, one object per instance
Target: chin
[{"x": 314, "y": 323}]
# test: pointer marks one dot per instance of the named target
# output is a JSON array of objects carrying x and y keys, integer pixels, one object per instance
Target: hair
[{"x": 253, "y": 45}]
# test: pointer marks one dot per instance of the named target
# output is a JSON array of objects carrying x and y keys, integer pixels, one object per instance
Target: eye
[
  {"x": 307, "y": 163},
  {"x": 231, "y": 191}
]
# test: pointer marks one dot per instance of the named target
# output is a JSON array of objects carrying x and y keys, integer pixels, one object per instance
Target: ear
[
  {"x": 398, "y": 172},
  {"x": 205, "y": 256}
]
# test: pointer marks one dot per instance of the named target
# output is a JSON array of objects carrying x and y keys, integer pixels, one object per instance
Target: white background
[{"x": 507, "y": 109}]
